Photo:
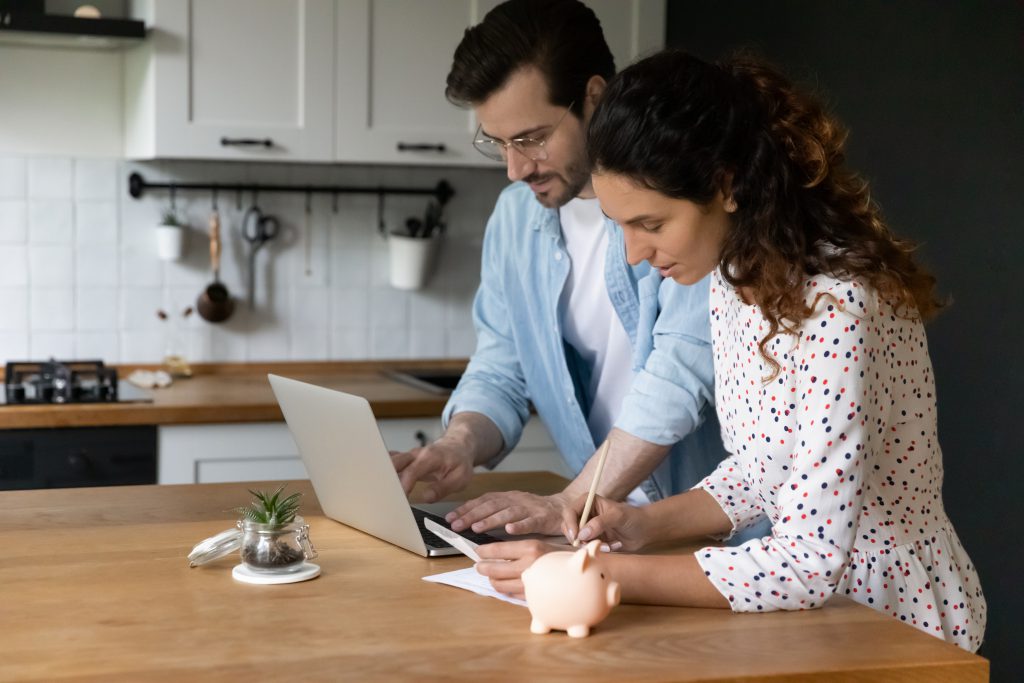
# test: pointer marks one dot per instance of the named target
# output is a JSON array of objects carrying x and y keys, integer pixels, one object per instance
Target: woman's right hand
[{"x": 622, "y": 526}]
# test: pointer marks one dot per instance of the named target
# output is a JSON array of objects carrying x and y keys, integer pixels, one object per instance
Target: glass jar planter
[{"x": 275, "y": 548}]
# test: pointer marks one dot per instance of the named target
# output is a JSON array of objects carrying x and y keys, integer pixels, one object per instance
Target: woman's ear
[{"x": 728, "y": 202}]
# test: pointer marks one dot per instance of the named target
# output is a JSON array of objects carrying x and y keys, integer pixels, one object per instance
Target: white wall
[
  {"x": 60, "y": 101},
  {"x": 79, "y": 275}
]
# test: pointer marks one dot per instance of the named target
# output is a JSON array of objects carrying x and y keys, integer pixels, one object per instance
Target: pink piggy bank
[{"x": 569, "y": 591}]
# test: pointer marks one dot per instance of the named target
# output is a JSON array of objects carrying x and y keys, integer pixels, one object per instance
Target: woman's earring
[{"x": 730, "y": 204}]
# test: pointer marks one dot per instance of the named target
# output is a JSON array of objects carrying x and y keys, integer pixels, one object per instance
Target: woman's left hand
[{"x": 504, "y": 563}]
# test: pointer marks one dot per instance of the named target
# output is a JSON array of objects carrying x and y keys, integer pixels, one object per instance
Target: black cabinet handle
[
  {"x": 246, "y": 142},
  {"x": 421, "y": 437},
  {"x": 421, "y": 147},
  {"x": 80, "y": 462}
]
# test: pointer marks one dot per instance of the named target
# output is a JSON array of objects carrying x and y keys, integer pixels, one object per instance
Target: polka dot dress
[{"x": 840, "y": 452}]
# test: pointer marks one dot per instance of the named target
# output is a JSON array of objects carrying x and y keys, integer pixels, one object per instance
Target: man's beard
[{"x": 572, "y": 183}]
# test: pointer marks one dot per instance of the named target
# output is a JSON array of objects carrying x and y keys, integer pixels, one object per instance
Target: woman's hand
[
  {"x": 620, "y": 525},
  {"x": 504, "y": 563}
]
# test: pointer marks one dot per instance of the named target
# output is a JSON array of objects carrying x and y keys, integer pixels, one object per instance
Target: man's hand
[
  {"x": 447, "y": 464},
  {"x": 504, "y": 563},
  {"x": 517, "y": 512},
  {"x": 447, "y": 467}
]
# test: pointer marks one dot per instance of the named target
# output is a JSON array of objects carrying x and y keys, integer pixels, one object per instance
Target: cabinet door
[
  {"x": 392, "y": 60},
  {"x": 231, "y": 74}
]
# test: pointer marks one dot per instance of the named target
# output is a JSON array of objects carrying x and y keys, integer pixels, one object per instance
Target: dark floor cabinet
[{"x": 77, "y": 456}]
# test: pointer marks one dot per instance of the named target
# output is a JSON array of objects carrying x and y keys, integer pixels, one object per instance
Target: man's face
[{"x": 521, "y": 109}]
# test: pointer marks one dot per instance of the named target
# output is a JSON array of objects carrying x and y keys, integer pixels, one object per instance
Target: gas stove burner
[{"x": 53, "y": 381}]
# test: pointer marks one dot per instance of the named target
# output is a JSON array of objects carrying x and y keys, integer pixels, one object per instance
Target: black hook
[
  {"x": 214, "y": 197},
  {"x": 380, "y": 213},
  {"x": 173, "y": 189},
  {"x": 309, "y": 200},
  {"x": 334, "y": 202}
]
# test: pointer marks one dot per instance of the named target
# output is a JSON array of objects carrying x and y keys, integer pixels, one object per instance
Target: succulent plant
[
  {"x": 170, "y": 217},
  {"x": 271, "y": 508}
]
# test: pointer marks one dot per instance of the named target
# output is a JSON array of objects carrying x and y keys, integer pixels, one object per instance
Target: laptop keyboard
[{"x": 431, "y": 539}]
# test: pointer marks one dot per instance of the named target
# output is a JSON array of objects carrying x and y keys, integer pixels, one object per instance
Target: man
[{"x": 602, "y": 349}]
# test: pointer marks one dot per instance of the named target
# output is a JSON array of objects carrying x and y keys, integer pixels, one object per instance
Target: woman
[{"x": 823, "y": 383}]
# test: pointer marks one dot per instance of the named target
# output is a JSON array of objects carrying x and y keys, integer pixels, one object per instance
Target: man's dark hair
[{"x": 561, "y": 38}]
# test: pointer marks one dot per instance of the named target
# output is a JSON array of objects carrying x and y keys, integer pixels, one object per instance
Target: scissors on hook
[{"x": 257, "y": 229}]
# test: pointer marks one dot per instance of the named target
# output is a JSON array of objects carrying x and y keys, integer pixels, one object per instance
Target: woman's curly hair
[{"x": 690, "y": 129}]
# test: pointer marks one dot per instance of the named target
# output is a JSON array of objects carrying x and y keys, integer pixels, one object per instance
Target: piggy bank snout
[{"x": 613, "y": 594}]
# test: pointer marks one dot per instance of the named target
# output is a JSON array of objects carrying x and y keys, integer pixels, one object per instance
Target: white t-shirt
[{"x": 590, "y": 323}]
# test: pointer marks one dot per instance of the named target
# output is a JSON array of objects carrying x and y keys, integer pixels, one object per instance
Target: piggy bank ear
[{"x": 582, "y": 558}]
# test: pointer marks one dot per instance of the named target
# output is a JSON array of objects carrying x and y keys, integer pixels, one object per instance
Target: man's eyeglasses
[{"x": 532, "y": 147}]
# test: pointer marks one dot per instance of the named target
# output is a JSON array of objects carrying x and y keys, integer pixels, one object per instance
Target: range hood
[{"x": 59, "y": 30}]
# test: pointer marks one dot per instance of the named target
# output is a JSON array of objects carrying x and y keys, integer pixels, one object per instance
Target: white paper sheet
[{"x": 471, "y": 580}]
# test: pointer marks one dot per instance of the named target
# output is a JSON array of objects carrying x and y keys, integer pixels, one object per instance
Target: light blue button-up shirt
[{"x": 521, "y": 355}]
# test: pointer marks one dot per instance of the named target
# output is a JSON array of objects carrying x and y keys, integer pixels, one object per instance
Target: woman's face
[{"x": 681, "y": 239}]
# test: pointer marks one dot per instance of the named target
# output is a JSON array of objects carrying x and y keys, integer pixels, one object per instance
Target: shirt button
[{"x": 558, "y": 256}]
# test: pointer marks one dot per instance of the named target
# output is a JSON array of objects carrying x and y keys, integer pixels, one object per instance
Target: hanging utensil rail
[{"x": 442, "y": 192}]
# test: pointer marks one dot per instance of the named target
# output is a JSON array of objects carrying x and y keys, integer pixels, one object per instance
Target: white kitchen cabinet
[
  {"x": 393, "y": 57},
  {"x": 265, "y": 451},
  {"x": 358, "y": 81},
  {"x": 232, "y": 79}
]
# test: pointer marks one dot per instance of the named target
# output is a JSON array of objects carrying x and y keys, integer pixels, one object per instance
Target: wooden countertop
[
  {"x": 241, "y": 393},
  {"x": 96, "y": 586}
]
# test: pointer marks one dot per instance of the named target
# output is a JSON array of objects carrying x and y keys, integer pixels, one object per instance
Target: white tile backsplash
[
  {"x": 13, "y": 265},
  {"x": 95, "y": 179},
  {"x": 13, "y": 309},
  {"x": 13, "y": 178},
  {"x": 96, "y": 222},
  {"x": 79, "y": 275},
  {"x": 99, "y": 345},
  {"x": 49, "y": 178},
  {"x": 140, "y": 267},
  {"x": 14, "y": 346},
  {"x": 50, "y": 221},
  {"x": 96, "y": 265},
  {"x": 52, "y": 345},
  {"x": 51, "y": 310},
  {"x": 139, "y": 306},
  {"x": 350, "y": 344},
  {"x": 51, "y": 266},
  {"x": 96, "y": 309},
  {"x": 13, "y": 221}
]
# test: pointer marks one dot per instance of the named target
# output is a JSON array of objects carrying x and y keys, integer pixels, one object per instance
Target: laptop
[{"x": 350, "y": 467}]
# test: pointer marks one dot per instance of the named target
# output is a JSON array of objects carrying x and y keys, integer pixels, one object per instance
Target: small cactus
[{"x": 271, "y": 508}]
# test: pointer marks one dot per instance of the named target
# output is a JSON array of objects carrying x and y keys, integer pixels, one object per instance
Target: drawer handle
[
  {"x": 247, "y": 142},
  {"x": 421, "y": 147},
  {"x": 421, "y": 437}
]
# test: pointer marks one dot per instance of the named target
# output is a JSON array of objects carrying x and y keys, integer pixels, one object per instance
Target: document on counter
[{"x": 471, "y": 580}]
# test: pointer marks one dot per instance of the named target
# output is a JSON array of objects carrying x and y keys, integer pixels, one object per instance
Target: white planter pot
[
  {"x": 411, "y": 260},
  {"x": 170, "y": 242}
]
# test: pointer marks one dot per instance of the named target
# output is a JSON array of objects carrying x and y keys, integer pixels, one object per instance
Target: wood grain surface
[
  {"x": 218, "y": 393},
  {"x": 94, "y": 585}
]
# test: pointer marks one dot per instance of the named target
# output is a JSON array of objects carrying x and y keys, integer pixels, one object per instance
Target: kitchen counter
[
  {"x": 96, "y": 587},
  {"x": 224, "y": 393}
]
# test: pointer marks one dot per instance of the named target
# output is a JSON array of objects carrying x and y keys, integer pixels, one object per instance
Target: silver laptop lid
[{"x": 347, "y": 461}]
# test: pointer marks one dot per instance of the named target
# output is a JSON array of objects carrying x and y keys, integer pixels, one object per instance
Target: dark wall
[{"x": 933, "y": 93}]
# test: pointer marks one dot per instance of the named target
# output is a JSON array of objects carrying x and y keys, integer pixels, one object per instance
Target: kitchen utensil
[
  {"x": 307, "y": 236},
  {"x": 215, "y": 303},
  {"x": 257, "y": 229}
]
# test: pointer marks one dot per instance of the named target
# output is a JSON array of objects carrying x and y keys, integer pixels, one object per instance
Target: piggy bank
[{"x": 569, "y": 591}]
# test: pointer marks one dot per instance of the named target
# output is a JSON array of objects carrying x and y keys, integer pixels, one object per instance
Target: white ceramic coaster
[{"x": 246, "y": 575}]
